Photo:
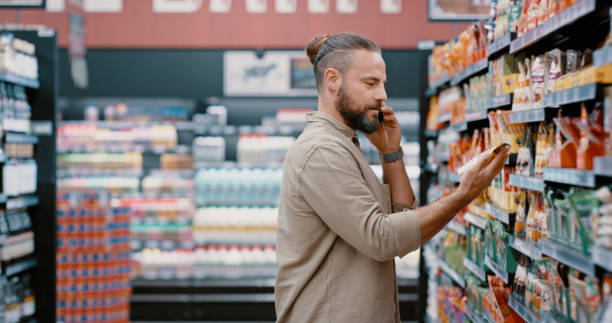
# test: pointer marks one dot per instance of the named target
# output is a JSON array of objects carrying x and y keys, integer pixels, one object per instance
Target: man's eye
[{"x": 370, "y": 83}]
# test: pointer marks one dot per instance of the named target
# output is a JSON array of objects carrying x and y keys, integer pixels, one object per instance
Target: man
[{"x": 339, "y": 228}]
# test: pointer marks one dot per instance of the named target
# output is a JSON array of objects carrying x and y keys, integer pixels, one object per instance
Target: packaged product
[
  {"x": 544, "y": 144},
  {"x": 524, "y": 161},
  {"x": 533, "y": 11},
  {"x": 584, "y": 205},
  {"x": 556, "y": 69},
  {"x": 519, "y": 224},
  {"x": 515, "y": 15},
  {"x": 592, "y": 138}
]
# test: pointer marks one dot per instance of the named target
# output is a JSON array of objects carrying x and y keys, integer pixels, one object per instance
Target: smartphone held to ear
[{"x": 491, "y": 152}]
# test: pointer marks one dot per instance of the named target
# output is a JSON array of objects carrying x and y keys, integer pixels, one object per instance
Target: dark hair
[{"x": 327, "y": 51}]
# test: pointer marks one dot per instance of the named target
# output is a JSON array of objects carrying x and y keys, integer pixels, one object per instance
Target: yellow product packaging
[{"x": 510, "y": 82}]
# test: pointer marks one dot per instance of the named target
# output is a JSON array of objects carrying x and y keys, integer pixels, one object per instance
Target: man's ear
[{"x": 333, "y": 79}]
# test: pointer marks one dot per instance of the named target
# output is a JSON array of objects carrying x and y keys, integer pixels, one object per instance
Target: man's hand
[
  {"x": 477, "y": 177},
  {"x": 388, "y": 136}
]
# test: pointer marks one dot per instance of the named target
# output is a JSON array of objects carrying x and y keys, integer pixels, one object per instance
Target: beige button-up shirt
[{"x": 337, "y": 234}]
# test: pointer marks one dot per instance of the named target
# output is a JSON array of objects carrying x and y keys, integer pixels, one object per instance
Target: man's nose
[{"x": 381, "y": 94}]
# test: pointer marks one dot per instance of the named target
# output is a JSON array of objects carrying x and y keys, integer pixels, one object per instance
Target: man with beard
[{"x": 339, "y": 228}]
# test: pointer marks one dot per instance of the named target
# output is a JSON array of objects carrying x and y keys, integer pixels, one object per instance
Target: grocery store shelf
[
  {"x": 451, "y": 273},
  {"x": 602, "y": 257},
  {"x": 110, "y": 149},
  {"x": 81, "y": 172},
  {"x": 570, "y": 176},
  {"x": 454, "y": 177},
  {"x": 564, "y": 18},
  {"x": 445, "y": 117},
  {"x": 499, "y": 272},
  {"x": 602, "y": 166},
  {"x": 232, "y": 165},
  {"x": 602, "y": 56},
  {"x": 461, "y": 126},
  {"x": 431, "y": 133},
  {"x": 499, "y": 45},
  {"x": 499, "y": 101},
  {"x": 141, "y": 282},
  {"x": 527, "y": 182},
  {"x": 21, "y": 202},
  {"x": 475, "y": 269},
  {"x": 435, "y": 87},
  {"x": 456, "y": 227},
  {"x": 531, "y": 115},
  {"x": 525, "y": 248},
  {"x": 19, "y": 80},
  {"x": 471, "y": 70},
  {"x": 20, "y": 266},
  {"x": 522, "y": 310},
  {"x": 573, "y": 95},
  {"x": 476, "y": 220},
  {"x": 477, "y": 318},
  {"x": 20, "y": 138},
  {"x": 442, "y": 156},
  {"x": 476, "y": 116},
  {"x": 429, "y": 92},
  {"x": 432, "y": 168},
  {"x": 567, "y": 256},
  {"x": 501, "y": 215}
]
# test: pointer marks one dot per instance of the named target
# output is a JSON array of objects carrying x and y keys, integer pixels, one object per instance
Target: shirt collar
[{"x": 317, "y": 117}]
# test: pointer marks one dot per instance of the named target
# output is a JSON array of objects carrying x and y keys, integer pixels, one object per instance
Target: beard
[{"x": 357, "y": 119}]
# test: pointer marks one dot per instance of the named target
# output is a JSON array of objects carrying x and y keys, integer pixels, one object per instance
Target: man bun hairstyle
[{"x": 334, "y": 51}]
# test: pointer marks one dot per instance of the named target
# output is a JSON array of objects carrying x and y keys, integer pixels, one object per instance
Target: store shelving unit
[
  {"x": 478, "y": 271},
  {"x": 567, "y": 256},
  {"x": 580, "y": 10},
  {"x": 41, "y": 95},
  {"x": 527, "y": 182},
  {"x": 564, "y": 31}
]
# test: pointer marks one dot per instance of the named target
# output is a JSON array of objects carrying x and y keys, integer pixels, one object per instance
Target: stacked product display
[
  {"x": 534, "y": 246},
  {"x": 93, "y": 257}
]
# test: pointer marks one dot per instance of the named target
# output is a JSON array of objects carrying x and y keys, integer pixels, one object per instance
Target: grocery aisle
[{"x": 535, "y": 246}]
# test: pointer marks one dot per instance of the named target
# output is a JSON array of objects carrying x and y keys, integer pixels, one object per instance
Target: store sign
[
  {"x": 459, "y": 10},
  {"x": 275, "y": 73}
]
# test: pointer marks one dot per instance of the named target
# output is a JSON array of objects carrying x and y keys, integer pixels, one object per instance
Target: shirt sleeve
[
  {"x": 333, "y": 186},
  {"x": 397, "y": 207}
]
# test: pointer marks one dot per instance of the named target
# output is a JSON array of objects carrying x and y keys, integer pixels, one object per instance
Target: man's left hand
[{"x": 388, "y": 136}]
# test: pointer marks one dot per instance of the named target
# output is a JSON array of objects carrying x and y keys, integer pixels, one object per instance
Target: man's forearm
[
  {"x": 434, "y": 216},
  {"x": 394, "y": 174}
]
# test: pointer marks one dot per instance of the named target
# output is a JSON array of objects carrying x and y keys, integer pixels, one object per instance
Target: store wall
[
  {"x": 136, "y": 25},
  {"x": 198, "y": 74}
]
